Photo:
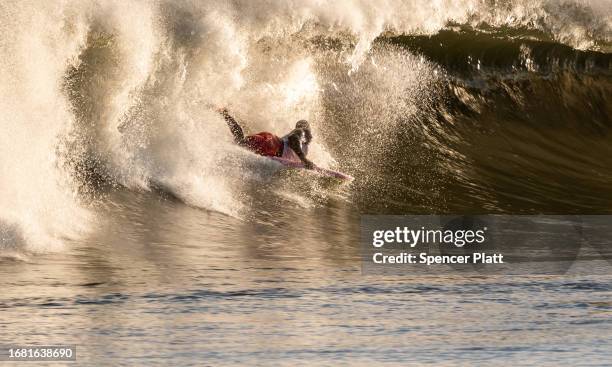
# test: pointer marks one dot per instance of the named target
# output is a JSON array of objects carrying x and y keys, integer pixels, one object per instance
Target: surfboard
[{"x": 319, "y": 170}]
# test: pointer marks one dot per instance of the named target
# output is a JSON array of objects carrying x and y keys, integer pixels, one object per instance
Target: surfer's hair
[{"x": 302, "y": 124}]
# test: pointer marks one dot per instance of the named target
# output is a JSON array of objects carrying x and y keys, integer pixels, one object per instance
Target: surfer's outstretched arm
[
  {"x": 234, "y": 126},
  {"x": 294, "y": 140}
]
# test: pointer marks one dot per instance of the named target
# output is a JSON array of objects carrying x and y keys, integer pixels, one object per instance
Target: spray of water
[{"x": 120, "y": 93}]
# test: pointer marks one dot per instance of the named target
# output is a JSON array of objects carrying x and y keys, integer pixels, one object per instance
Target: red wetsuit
[{"x": 264, "y": 143}]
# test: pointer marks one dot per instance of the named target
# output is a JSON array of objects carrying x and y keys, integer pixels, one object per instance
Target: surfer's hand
[
  {"x": 308, "y": 164},
  {"x": 221, "y": 110}
]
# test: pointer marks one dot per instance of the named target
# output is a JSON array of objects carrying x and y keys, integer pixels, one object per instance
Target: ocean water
[
  {"x": 133, "y": 228},
  {"x": 164, "y": 283}
]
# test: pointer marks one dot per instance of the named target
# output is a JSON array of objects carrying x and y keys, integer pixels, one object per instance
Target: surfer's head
[
  {"x": 305, "y": 127},
  {"x": 302, "y": 124}
]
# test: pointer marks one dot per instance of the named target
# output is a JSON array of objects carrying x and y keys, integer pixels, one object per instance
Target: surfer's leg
[{"x": 234, "y": 127}]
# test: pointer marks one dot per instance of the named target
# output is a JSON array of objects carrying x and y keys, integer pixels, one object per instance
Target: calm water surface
[{"x": 161, "y": 283}]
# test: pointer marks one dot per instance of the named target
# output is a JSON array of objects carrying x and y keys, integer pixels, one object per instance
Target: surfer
[{"x": 293, "y": 146}]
